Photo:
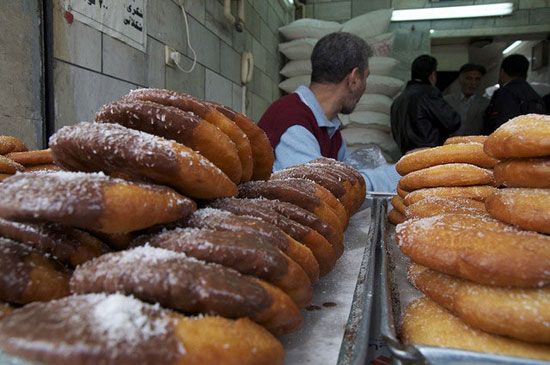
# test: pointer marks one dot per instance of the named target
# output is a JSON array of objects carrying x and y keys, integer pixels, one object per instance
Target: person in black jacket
[
  {"x": 420, "y": 117},
  {"x": 514, "y": 97}
]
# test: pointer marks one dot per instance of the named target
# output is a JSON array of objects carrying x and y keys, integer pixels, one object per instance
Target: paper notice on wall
[{"x": 121, "y": 19}]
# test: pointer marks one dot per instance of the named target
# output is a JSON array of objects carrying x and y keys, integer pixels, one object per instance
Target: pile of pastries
[
  {"x": 15, "y": 157},
  {"x": 165, "y": 238},
  {"x": 478, "y": 241}
]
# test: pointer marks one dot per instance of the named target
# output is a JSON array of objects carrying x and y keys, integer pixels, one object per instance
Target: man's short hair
[
  {"x": 336, "y": 55},
  {"x": 467, "y": 67},
  {"x": 515, "y": 65},
  {"x": 422, "y": 67}
]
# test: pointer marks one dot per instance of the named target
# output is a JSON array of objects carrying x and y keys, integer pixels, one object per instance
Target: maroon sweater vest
[{"x": 290, "y": 110}]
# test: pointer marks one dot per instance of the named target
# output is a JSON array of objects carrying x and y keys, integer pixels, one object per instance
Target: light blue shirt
[{"x": 298, "y": 145}]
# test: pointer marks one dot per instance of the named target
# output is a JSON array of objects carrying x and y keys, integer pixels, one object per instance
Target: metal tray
[
  {"x": 395, "y": 292},
  {"x": 337, "y": 322}
]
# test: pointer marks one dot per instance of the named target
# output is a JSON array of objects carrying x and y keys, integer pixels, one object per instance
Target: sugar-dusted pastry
[
  {"x": 262, "y": 152},
  {"x": 210, "y": 114},
  {"x": 477, "y": 248},
  {"x": 248, "y": 253},
  {"x": 117, "y": 150},
  {"x": 175, "y": 124},
  {"x": 90, "y": 201},
  {"x": 426, "y": 323},
  {"x": 319, "y": 246},
  {"x": 27, "y": 276},
  {"x": 156, "y": 275},
  {"x": 115, "y": 329}
]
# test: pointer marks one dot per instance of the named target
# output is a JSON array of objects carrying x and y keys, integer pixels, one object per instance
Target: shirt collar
[{"x": 308, "y": 98}]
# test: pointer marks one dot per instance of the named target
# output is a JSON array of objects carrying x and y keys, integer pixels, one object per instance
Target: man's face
[
  {"x": 357, "y": 91},
  {"x": 470, "y": 81}
]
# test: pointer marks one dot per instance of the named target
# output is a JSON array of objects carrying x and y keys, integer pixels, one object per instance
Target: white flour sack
[
  {"x": 384, "y": 85},
  {"x": 369, "y": 24},
  {"x": 298, "y": 49},
  {"x": 309, "y": 28}
]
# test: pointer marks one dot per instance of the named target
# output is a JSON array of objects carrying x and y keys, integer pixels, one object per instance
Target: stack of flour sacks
[{"x": 369, "y": 124}]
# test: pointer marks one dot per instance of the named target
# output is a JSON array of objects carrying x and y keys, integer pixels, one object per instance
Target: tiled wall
[
  {"x": 21, "y": 72},
  {"x": 92, "y": 68}
]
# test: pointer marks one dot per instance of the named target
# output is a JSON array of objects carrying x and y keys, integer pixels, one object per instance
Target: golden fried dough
[
  {"x": 425, "y": 322},
  {"x": 524, "y": 136},
  {"x": 397, "y": 203},
  {"x": 8, "y": 166},
  {"x": 523, "y": 207},
  {"x": 523, "y": 173},
  {"x": 470, "y": 153},
  {"x": 479, "y": 192},
  {"x": 396, "y": 217},
  {"x": 520, "y": 313},
  {"x": 28, "y": 158},
  {"x": 452, "y": 174},
  {"x": 477, "y": 248},
  {"x": 11, "y": 144},
  {"x": 435, "y": 205},
  {"x": 466, "y": 139}
]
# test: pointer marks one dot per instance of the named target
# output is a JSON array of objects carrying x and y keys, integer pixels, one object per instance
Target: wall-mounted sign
[{"x": 121, "y": 19}]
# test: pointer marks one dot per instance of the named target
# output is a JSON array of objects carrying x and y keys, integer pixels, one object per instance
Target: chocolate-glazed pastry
[
  {"x": 224, "y": 221},
  {"x": 117, "y": 150},
  {"x": 319, "y": 246},
  {"x": 248, "y": 253},
  {"x": 262, "y": 152},
  {"x": 188, "y": 103},
  {"x": 90, "y": 201},
  {"x": 324, "y": 194},
  {"x": 347, "y": 173},
  {"x": 293, "y": 192},
  {"x": 156, "y": 275},
  {"x": 173, "y": 123},
  {"x": 306, "y": 218},
  {"x": 27, "y": 276},
  {"x": 115, "y": 329},
  {"x": 69, "y": 245},
  {"x": 344, "y": 187}
]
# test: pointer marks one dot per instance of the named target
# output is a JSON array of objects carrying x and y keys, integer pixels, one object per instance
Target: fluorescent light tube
[
  {"x": 452, "y": 12},
  {"x": 511, "y": 47}
]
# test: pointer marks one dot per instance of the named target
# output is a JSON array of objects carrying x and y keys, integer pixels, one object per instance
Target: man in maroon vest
[{"x": 304, "y": 125}]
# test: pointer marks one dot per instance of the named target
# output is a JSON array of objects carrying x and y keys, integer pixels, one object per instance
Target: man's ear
[{"x": 354, "y": 77}]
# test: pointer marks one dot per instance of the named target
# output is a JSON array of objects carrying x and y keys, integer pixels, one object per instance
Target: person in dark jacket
[
  {"x": 514, "y": 97},
  {"x": 420, "y": 117}
]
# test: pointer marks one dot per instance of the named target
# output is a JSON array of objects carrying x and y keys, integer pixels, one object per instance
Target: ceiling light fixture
[
  {"x": 453, "y": 12},
  {"x": 511, "y": 47}
]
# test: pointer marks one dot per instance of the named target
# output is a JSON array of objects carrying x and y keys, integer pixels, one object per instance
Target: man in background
[
  {"x": 514, "y": 97},
  {"x": 469, "y": 105},
  {"x": 303, "y": 126},
  {"x": 420, "y": 117}
]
